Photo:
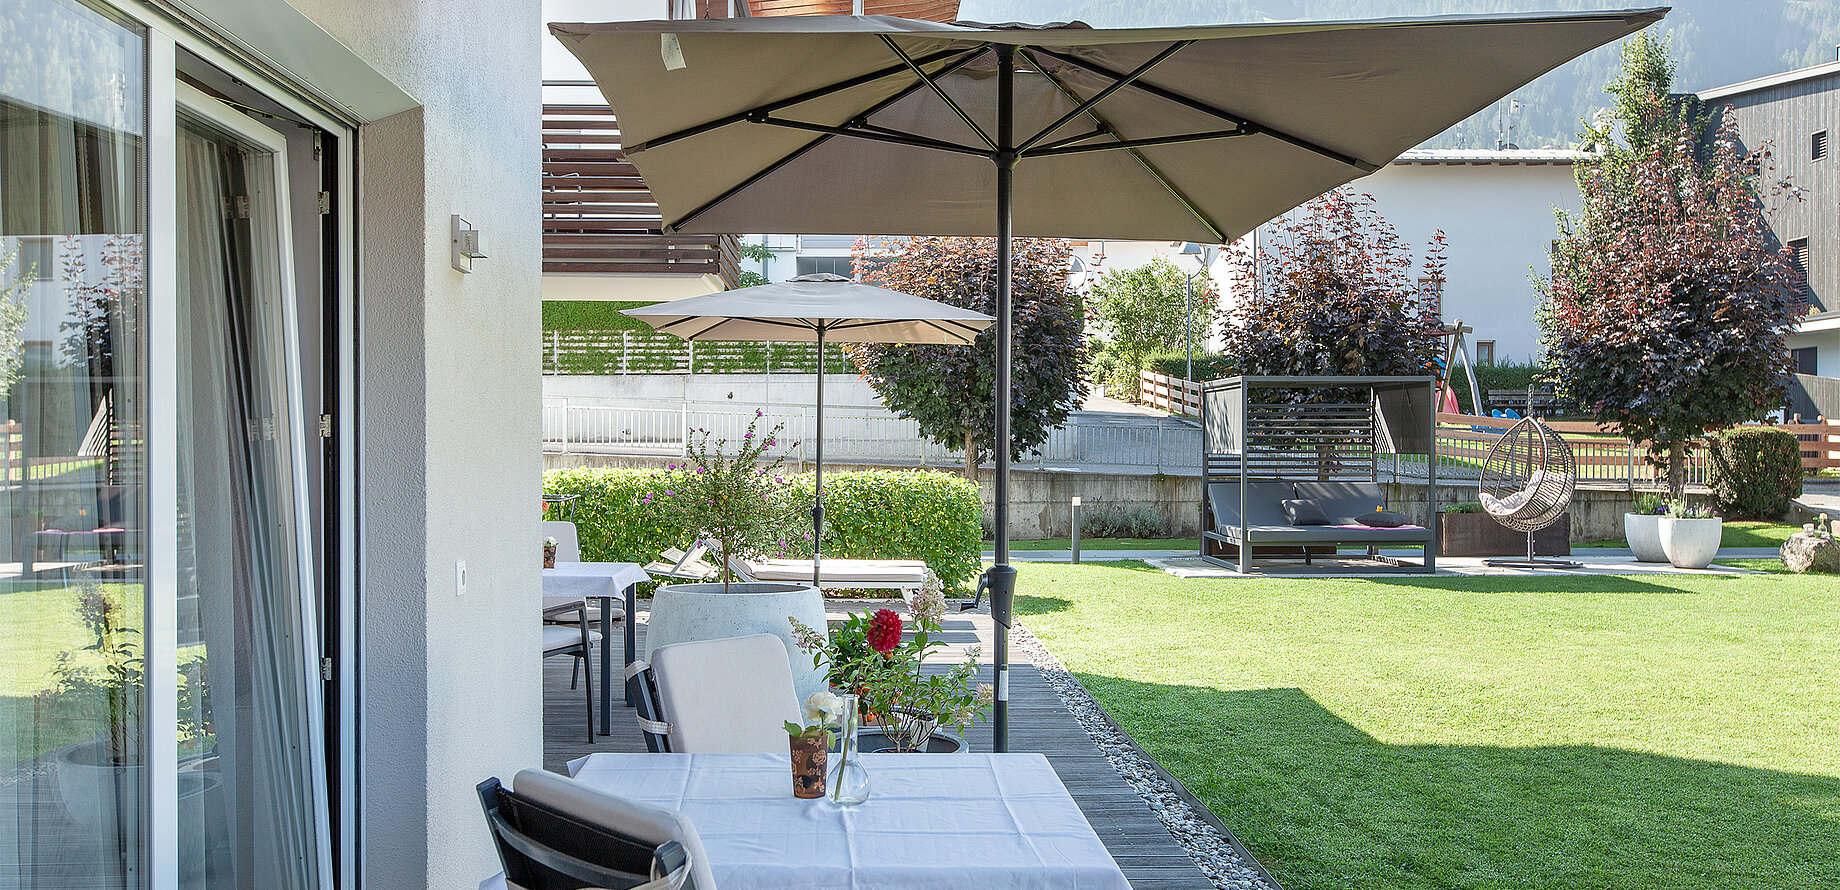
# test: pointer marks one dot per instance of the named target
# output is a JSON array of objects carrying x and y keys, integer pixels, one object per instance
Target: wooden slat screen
[{"x": 599, "y": 217}]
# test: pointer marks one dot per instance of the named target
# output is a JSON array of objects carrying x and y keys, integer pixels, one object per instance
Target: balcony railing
[{"x": 598, "y": 215}]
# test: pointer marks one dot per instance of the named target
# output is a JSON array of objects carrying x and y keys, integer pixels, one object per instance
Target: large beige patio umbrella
[
  {"x": 874, "y": 125},
  {"x": 813, "y": 309}
]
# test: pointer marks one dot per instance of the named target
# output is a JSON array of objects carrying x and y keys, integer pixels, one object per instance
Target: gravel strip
[{"x": 1218, "y": 855}]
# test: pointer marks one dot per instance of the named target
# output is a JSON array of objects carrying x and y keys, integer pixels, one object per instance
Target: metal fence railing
[
  {"x": 619, "y": 353},
  {"x": 1089, "y": 441}
]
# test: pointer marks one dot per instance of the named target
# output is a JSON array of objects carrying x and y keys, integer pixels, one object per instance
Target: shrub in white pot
[
  {"x": 729, "y": 499},
  {"x": 1690, "y": 535},
  {"x": 1642, "y": 528}
]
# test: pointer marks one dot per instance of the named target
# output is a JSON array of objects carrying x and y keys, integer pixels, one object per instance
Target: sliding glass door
[
  {"x": 161, "y": 708},
  {"x": 73, "y": 483},
  {"x": 251, "y": 812}
]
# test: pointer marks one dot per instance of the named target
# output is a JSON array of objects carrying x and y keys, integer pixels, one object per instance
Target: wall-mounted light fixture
[{"x": 465, "y": 244}]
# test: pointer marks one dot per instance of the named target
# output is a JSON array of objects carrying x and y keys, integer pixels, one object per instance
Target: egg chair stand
[{"x": 1527, "y": 483}]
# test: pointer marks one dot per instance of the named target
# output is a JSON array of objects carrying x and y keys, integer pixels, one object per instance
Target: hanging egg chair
[{"x": 1527, "y": 483}]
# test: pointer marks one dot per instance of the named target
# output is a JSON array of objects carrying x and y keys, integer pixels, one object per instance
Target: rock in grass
[{"x": 1804, "y": 552}]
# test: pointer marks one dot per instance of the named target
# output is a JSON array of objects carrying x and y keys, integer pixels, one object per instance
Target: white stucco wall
[
  {"x": 1826, "y": 344},
  {"x": 452, "y": 687},
  {"x": 1499, "y": 222}
]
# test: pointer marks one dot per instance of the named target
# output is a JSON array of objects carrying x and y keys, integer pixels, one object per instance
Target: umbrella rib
[
  {"x": 940, "y": 92},
  {"x": 1116, "y": 85},
  {"x": 877, "y": 135},
  {"x": 1205, "y": 108},
  {"x": 802, "y": 98},
  {"x": 1145, "y": 142},
  {"x": 770, "y": 169},
  {"x": 1106, "y": 126}
]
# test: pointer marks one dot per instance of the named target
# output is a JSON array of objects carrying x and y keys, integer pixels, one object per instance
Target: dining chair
[
  {"x": 553, "y": 833},
  {"x": 728, "y": 696},
  {"x": 565, "y": 632},
  {"x": 568, "y": 539}
]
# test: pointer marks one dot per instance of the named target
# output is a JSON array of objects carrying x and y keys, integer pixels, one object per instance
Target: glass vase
[{"x": 849, "y": 782}]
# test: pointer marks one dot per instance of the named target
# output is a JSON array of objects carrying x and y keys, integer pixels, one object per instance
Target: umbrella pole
[
  {"x": 817, "y": 474},
  {"x": 1001, "y": 577}
]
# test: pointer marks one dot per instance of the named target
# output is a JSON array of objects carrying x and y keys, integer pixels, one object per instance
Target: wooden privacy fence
[
  {"x": 1603, "y": 457},
  {"x": 1172, "y": 394}
]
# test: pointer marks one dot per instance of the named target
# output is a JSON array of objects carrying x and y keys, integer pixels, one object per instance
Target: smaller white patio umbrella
[{"x": 815, "y": 309}]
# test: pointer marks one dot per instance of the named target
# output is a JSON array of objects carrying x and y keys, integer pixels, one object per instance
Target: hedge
[
  {"x": 591, "y": 315},
  {"x": 1756, "y": 472},
  {"x": 900, "y": 514},
  {"x": 1501, "y": 375},
  {"x": 869, "y": 514},
  {"x": 1208, "y": 365}
]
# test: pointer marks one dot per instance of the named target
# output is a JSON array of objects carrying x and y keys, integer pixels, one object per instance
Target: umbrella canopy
[
  {"x": 802, "y": 309},
  {"x": 1215, "y": 130},
  {"x": 812, "y": 309},
  {"x": 873, "y": 125}
]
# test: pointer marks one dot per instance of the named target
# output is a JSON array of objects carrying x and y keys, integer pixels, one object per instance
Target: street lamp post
[{"x": 1203, "y": 254}]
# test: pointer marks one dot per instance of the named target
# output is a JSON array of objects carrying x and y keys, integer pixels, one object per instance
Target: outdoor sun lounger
[
  {"x": 906, "y": 575},
  {"x": 1264, "y": 522},
  {"x": 683, "y": 565}
]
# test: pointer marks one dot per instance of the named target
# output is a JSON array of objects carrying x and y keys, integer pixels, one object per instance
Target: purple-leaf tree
[
  {"x": 948, "y": 390},
  {"x": 1332, "y": 293},
  {"x": 1666, "y": 313}
]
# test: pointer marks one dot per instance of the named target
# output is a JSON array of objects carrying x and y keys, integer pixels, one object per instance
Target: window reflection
[{"x": 72, "y": 480}]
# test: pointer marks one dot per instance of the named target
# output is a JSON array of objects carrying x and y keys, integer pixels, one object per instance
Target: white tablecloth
[
  {"x": 952, "y": 822},
  {"x": 570, "y": 581}
]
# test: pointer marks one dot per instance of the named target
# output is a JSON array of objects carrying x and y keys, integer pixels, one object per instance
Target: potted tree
[
  {"x": 729, "y": 500},
  {"x": 99, "y": 778}
]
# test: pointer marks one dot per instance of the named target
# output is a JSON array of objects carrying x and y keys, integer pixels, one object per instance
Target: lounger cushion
[
  {"x": 1324, "y": 534},
  {"x": 641, "y": 821},
  {"x": 839, "y": 571},
  {"x": 1304, "y": 512},
  {"x": 1264, "y": 503},
  {"x": 556, "y": 636}
]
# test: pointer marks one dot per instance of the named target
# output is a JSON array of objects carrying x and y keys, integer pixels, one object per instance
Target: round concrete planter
[
  {"x": 685, "y": 612},
  {"x": 1691, "y": 543},
  {"x": 1643, "y": 531}
]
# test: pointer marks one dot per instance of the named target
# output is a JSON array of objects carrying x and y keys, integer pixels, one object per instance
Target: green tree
[
  {"x": 1148, "y": 309},
  {"x": 1334, "y": 295},
  {"x": 948, "y": 390},
  {"x": 1666, "y": 313}
]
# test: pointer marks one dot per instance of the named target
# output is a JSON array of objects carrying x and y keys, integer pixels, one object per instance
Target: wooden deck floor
[{"x": 1143, "y": 848}]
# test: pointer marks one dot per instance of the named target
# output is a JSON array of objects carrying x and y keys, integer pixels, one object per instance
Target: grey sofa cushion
[
  {"x": 1383, "y": 519},
  {"x": 1303, "y": 511}
]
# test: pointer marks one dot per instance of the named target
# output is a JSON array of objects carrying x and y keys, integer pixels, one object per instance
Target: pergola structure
[{"x": 1268, "y": 439}]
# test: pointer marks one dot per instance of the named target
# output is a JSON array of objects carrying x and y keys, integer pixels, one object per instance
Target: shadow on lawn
[{"x": 1324, "y": 805}]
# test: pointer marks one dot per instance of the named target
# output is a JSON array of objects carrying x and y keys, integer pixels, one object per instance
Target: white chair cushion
[
  {"x": 568, "y": 542},
  {"x": 647, "y": 823},
  {"x": 558, "y": 636},
  {"x": 730, "y": 696}
]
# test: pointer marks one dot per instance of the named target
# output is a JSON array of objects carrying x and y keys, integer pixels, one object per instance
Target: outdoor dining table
[
  {"x": 601, "y": 582},
  {"x": 945, "y": 821}
]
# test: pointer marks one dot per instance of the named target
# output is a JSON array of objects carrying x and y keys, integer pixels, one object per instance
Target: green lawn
[
  {"x": 1575, "y": 732},
  {"x": 1737, "y": 533},
  {"x": 1188, "y": 544},
  {"x": 38, "y": 624}
]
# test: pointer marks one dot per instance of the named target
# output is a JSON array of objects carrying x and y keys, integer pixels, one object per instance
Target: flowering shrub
[
  {"x": 726, "y": 499},
  {"x": 864, "y": 654},
  {"x": 1684, "y": 510}
]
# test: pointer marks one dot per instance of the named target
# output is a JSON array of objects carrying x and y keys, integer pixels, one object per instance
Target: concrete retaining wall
[{"x": 1040, "y": 500}]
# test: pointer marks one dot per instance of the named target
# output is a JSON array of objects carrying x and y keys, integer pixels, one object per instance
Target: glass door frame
[
  {"x": 168, "y": 31},
  {"x": 197, "y": 105}
]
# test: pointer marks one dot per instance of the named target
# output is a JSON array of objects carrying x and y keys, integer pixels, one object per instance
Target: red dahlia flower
[{"x": 884, "y": 631}]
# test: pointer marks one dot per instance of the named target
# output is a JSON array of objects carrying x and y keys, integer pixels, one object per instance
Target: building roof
[
  {"x": 1768, "y": 81},
  {"x": 1527, "y": 156}
]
